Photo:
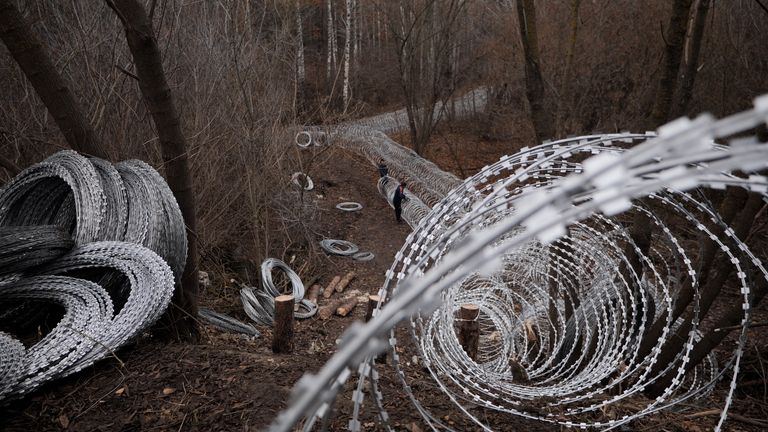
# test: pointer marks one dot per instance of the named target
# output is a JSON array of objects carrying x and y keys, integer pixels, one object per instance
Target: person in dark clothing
[
  {"x": 383, "y": 168},
  {"x": 397, "y": 201}
]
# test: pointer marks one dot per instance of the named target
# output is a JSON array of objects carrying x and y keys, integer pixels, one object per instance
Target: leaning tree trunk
[
  {"x": 157, "y": 95},
  {"x": 692, "y": 64},
  {"x": 675, "y": 38},
  {"x": 35, "y": 61},
  {"x": 534, "y": 83}
]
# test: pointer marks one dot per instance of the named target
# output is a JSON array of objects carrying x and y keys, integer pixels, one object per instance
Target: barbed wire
[
  {"x": 566, "y": 295},
  {"x": 61, "y": 221}
]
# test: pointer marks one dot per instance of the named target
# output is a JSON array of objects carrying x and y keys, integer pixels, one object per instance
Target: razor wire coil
[
  {"x": 94, "y": 239},
  {"x": 566, "y": 296}
]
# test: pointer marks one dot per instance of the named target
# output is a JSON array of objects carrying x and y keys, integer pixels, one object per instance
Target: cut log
[
  {"x": 314, "y": 293},
  {"x": 329, "y": 289},
  {"x": 347, "y": 306},
  {"x": 344, "y": 282},
  {"x": 373, "y": 302},
  {"x": 469, "y": 329},
  {"x": 282, "y": 336},
  {"x": 328, "y": 310}
]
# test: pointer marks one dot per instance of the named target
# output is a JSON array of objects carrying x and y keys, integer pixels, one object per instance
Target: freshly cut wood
[
  {"x": 329, "y": 289},
  {"x": 469, "y": 329},
  {"x": 344, "y": 282},
  {"x": 347, "y": 306},
  {"x": 328, "y": 310},
  {"x": 314, "y": 293},
  {"x": 373, "y": 301},
  {"x": 282, "y": 336}
]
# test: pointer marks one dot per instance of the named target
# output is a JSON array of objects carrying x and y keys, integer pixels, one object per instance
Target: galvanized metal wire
[
  {"x": 111, "y": 286},
  {"x": 536, "y": 240},
  {"x": 259, "y": 304}
]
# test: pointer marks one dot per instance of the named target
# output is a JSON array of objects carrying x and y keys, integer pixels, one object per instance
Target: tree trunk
[
  {"x": 300, "y": 70},
  {"x": 534, "y": 83},
  {"x": 347, "y": 54},
  {"x": 709, "y": 293},
  {"x": 692, "y": 64},
  {"x": 329, "y": 45},
  {"x": 565, "y": 98},
  {"x": 735, "y": 199},
  {"x": 35, "y": 61},
  {"x": 675, "y": 38},
  {"x": 157, "y": 95}
]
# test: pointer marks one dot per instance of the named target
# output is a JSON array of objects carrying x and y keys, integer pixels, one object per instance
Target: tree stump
[
  {"x": 282, "y": 336},
  {"x": 373, "y": 301},
  {"x": 469, "y": 329}
]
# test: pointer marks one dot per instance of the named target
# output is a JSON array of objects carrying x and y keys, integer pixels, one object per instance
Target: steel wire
[
  {"x": 22, "y": 248},
  {"x": 339, "y": 247},
  {"x": 538, "y": 241},
  {"x": 109, "y": 286},
  {"x": 226, "y": 322}
]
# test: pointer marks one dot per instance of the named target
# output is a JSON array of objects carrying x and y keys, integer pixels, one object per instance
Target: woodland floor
[{"x": 230, "y": 382}]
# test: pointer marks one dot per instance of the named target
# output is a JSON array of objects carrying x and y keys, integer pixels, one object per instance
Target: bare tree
[
  {"x": 565, "y": 93},
  {"x": 695, "y": 36},
  {"x": 33, "y": 58},
  {"x": 425, "y": 32},
  {"x": 158, "y": 97},
  {"x": 534, "y": 83},
  {"x": 675, "y": 38},
  {"x": 347, "y": 52}
]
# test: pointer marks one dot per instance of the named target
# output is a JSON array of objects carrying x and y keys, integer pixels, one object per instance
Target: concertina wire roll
[
  {"x": 576, "y": 313},
  {"x": 97, "y": 247}
]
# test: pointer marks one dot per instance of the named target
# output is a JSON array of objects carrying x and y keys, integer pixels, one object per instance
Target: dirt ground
[{"x": 230, "y": 382}]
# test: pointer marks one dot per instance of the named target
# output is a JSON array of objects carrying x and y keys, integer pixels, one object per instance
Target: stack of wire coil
[
  {"x": 89, "y": 253},
  {"x": 259, "y": 304}
]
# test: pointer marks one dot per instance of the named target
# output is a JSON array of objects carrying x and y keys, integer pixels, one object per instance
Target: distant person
[
  {"x": 383, "y": 169},
  {"x": 397, "y": 201}
]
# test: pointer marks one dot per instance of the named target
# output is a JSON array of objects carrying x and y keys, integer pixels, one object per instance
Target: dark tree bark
[
  {"x": 735, "y": 199},
  {"x": 675, "y": 38},
  {"x": 282, "y": 334},
  {"x": 35, "y": 61},
  {"x": 564, "y": 105},
  {"x": 534, "y": 83},
  {"x": 692, "y": 64},
  {"x": 182, "y": 315},
  {"x": 469, "y": 329},
  {"x": 711, "y": 289}
]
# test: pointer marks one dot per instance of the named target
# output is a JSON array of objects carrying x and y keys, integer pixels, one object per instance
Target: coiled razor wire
[
  {"x": 368, "y": 138},
  {"x": 22, "y": 248},
  {"x": 535, "y": 240},
  {"x": 414, "y": 209},
  {"x": 349, "y": 206},
  {"x": 259, "y": 305},
  {"x": 363, "y": 256},
  {"x": 226, "y": 322},
  {"x": 339, "y": 247},
  {"x": 303, "y": 181},
  {"x": 125, "y": 227}
]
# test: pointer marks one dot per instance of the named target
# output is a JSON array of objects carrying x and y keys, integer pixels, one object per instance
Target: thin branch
[
  {"x": 123, "y": 70},
  {"x": 762, "y": 6}
]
